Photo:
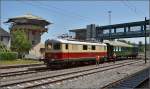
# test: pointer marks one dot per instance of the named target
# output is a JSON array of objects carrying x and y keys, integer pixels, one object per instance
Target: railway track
[
  {"x": 19, "y": 66},
  {"x": 24, "y": 72},
  {"x": 46, "y": 80}
]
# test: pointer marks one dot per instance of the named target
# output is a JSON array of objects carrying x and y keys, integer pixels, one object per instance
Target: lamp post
[
  {"x": 145, "y": 41},
  {"x": 109, "y": 15}
]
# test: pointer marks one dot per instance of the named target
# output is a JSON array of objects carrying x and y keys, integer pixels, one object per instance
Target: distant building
[
  {"x": 4, "y": 37},
  {"x": 88, "y": 33},
  {"x": 34, "y": 27},
  {"x": 115, "y": 31}
]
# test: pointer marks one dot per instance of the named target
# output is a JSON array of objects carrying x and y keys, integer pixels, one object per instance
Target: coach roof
[{"x": 117, "y": 43}]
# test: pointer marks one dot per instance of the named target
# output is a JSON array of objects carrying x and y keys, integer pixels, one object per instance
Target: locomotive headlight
[{"x": 52, "y": 59}]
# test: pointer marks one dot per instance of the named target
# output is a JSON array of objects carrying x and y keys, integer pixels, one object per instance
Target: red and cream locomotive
[{"x": 62, "y": 51}]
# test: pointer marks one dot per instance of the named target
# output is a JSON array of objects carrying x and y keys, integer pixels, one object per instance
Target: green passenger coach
[{"x": 121, "y": 49}]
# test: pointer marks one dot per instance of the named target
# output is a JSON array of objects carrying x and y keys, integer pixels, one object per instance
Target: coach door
[{"x": 109, "y": 50}]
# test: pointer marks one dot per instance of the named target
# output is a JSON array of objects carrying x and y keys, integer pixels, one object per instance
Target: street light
[
  {"x": 145, "y": 41},
  {"x": 109, "y": 15}
]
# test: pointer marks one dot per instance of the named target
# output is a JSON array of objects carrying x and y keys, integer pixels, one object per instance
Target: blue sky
[{"x": 68, "y": 15}]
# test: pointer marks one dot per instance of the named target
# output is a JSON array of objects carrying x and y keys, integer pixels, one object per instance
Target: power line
[
  {"x": 132, "y": 8},
  {"x": 75, "y": 14},
  {"x": 136, "y": 9},
  {"x": 49, "y": 9},
  {"x": 58, "y": 10}
]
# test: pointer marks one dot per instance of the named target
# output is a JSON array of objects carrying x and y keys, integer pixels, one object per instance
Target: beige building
[{"x": 34, "y": 27}]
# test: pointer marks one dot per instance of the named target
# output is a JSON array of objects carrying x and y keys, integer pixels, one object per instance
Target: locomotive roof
[
  {"x": 74, "y": 42},
  {"x": 117, "y": 43}
]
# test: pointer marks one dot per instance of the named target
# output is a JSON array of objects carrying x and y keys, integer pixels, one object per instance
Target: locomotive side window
[
  {"x": 66, "y": 46},
  {"x": 105, "y": 48},
  {"x": 93, "y": 47},
  {"x": 56, "y": 46},
  {"x": 84, "y": 47}
]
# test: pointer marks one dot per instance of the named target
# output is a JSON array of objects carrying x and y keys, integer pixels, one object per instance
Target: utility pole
[
  {"x": 149, "y": 30},
  {"x": 109, "y": 14},
  {"x": 145, "y": 41}
]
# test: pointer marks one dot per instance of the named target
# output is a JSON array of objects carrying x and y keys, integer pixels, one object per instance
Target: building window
[
  {"x": 93, "y": 47},
  {"x": 33, "y": 42},
  {"x": 1, "y": 38},
  {"x": 84, "y": 47},
  {"x": 33, "y": 32},
  {"x": 66, "y": 46},
  {"x": 8, "y": 39}
]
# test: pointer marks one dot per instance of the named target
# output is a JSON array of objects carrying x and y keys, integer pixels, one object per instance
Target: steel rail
[
  {"x": 22, "y": 72},
  {"x": 18, "y": 66},
  {"x": 63, "y": 74},
  {"x": 80, "y": 75}
]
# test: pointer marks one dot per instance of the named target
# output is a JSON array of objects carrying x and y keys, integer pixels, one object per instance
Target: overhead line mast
[{"x": 109, "y": 15}]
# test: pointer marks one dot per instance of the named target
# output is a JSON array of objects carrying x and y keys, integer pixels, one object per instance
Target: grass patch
[{"x": 18, "y": 62}]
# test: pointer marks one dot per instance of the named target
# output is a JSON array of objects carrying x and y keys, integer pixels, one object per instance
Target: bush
[{"x": 8, "y": 55}]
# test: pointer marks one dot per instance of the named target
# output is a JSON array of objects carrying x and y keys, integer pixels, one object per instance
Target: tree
[
  {"x": 3, "y": 48},
  {"x": 141, "y": 46},
  {"x": 20, "y": 43}
]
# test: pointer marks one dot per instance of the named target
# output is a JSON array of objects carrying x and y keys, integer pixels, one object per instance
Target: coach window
[
  {"x": 119, "y": 48},
  {"x": 66, "y": 46},
  {"x": 84, "y": 47},
  {"x": 56, "y": 46},
  {"x": 114, "y": 48},
  {"x": 93, "y": 47}
]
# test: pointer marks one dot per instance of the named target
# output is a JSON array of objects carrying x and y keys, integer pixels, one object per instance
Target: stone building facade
[{"x": 34, "y": 27}]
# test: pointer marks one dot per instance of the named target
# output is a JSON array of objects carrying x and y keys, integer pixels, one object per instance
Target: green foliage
[
  {"x": 20, "y": 42},
  {"x": 141, "y": 46},
  {"x": 8, "y": 55}
]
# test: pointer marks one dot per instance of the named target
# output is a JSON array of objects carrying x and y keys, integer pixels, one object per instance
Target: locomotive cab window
[
  {"x": 49, "y": 46},
  {"x": 56, "y": 46},
  {"x": 84, "y": 47},
  {"x": 93, "y": 47}
]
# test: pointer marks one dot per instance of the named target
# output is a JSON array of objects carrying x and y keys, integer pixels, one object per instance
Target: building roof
[
  {"x": 3, "y": 32},
  {"x": 29, "y": 17},
  {"x": 78, "y": 30}
]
